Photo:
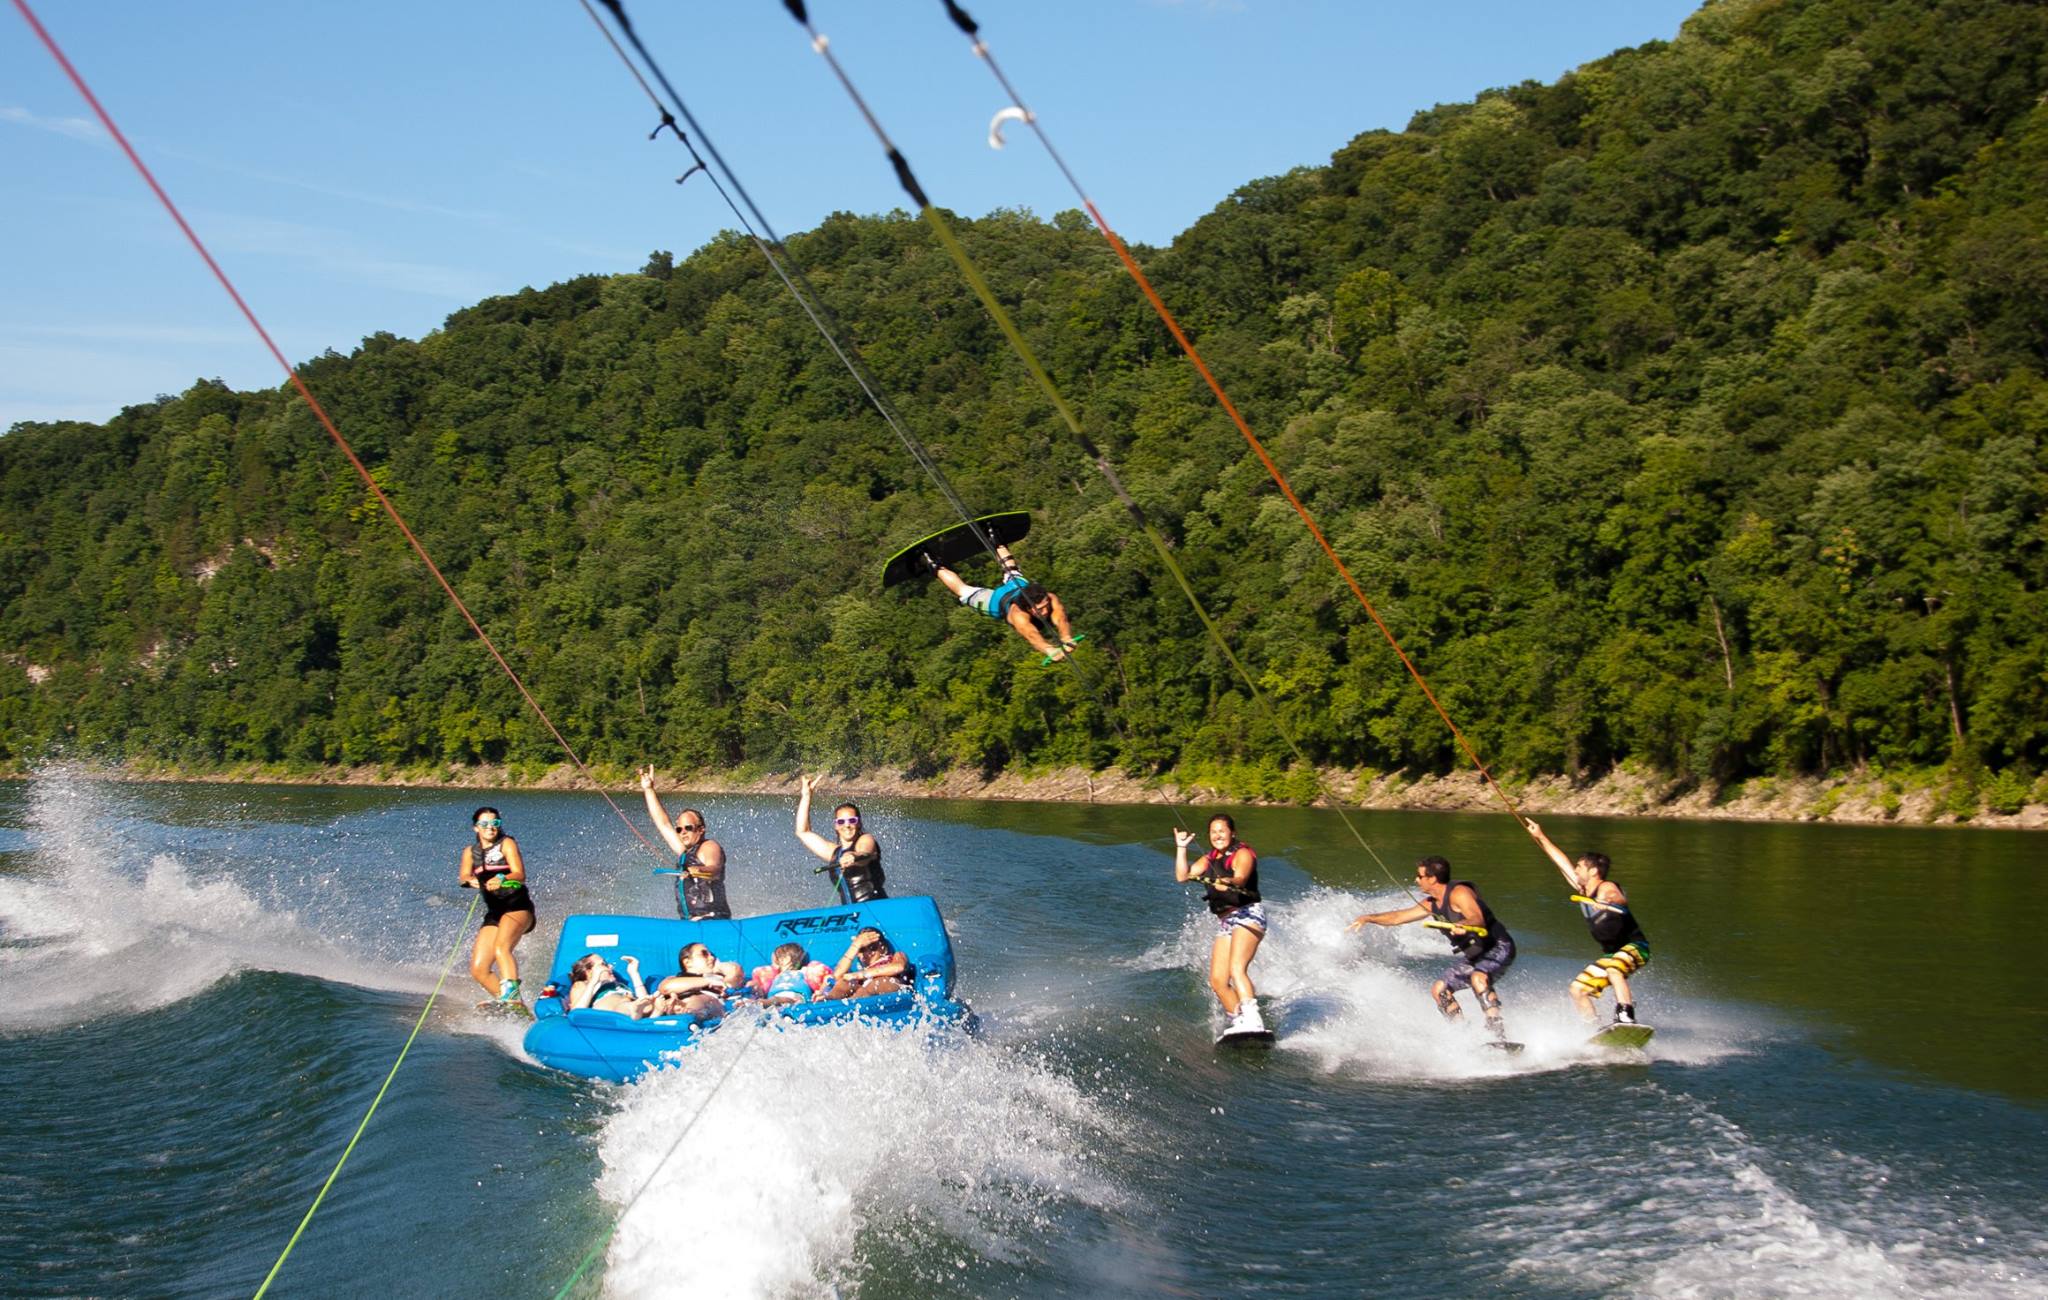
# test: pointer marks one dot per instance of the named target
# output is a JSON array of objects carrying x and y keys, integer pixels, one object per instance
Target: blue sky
[{"x": 376, "y": 165}]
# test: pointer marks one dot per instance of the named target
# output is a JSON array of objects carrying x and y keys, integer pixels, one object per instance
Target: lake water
[{"x": 202, "y": 987}]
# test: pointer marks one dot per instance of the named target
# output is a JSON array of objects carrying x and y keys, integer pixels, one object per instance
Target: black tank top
[
  {"x": 700, "y": 898},
  {"x": 1613, "y": 930},
  {"x": 1469, "y": 945},
  {"x": 490, "y": 862},
  {"x": 1229, "y": 897}
]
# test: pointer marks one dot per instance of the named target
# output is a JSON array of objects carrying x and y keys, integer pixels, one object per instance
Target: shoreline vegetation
[
  {"x": 1684, "y": 415},
  {"x": 1938, "y": 797}
]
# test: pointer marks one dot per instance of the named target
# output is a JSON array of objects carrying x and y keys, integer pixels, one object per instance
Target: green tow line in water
[{"x": 447, "y": 966}]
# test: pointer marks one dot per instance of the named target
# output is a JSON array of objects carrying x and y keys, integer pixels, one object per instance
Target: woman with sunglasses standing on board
[
  {"x": 700, "y": 889},
  {"x": 855, "y": 860},
  {"x": 492, "y": 864}
]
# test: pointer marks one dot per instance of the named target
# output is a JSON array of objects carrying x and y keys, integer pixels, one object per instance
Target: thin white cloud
[
  {"x": 339, "y": 254},
  {"x": 114, "y": 332},
  {"x": 85, "y": 128},
  {"x": 77, "y": 128},
  {"x": 417, "y": 207},
  {"x": 605, "y": 254},
  {"x": 392, "y": 202}
]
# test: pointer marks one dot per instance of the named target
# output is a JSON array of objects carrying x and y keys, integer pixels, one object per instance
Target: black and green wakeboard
[
  {"x": 953, "y": 546},
  {"x": 1622, "y": 1036}
]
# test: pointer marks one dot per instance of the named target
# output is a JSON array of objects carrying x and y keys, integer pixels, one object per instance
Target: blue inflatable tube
[{"x": 614, "y": 1046}]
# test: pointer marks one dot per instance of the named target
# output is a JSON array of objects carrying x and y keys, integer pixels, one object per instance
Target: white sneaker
[{"x": 1248, "y": 1020}]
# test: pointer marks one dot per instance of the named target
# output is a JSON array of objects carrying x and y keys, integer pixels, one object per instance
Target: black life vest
[
  {"x": 1469, "y": 946},
  {"x": 863, "y": 879},
  {"x": 489, "y": 863},
  {"x": 1613, "y": 930},
  {"x": 700, "y": 898},
  {"x": 1229, "y": 897}
]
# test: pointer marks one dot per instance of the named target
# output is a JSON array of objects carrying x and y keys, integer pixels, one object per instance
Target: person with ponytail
[{"x": 492, "y": 864}]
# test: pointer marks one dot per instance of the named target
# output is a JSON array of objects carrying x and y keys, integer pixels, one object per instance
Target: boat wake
[
  {"x": 106, "y": 923},
  {"x": 1693, "y": 1206}
]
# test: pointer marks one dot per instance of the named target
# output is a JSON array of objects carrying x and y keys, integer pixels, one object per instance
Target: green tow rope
[{"x": 445, "y": 968}]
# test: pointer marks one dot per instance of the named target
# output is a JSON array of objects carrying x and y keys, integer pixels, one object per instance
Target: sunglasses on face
[
  {"x": 488, "y": 823},
  {"x": 688, "y": 826},
  {"x": 846, "y": 821}
]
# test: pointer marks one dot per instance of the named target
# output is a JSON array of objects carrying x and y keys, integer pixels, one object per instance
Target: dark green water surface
[{"x": 201, "y": 987}]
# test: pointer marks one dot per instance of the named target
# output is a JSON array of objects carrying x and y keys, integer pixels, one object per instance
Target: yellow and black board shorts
[{"x": 1623, "y": 961}]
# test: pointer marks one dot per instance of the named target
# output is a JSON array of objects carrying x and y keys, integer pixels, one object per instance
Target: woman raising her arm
[
  {"x": 1229, "y": 872},
  {"x": 855, "y": 858}
]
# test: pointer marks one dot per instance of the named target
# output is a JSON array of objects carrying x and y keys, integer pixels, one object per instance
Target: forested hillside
[{"x": 1689, "y": 411}]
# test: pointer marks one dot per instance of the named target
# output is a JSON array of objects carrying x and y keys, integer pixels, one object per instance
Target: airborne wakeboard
[
  {"x": 513, "y": 1010},
  {"x": 1503, "y": 1045},
  {"x": 952, "y": 546},
  {"x": 1622, "y": 1036}
]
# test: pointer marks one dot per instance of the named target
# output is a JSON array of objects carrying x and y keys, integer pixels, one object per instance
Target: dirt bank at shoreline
[{"x": 1850, "y": 799}]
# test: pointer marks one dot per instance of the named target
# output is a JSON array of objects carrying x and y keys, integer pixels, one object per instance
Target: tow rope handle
[
  {"x": 1479, "y": 930},
  {"x": 1070, "y": 647}
]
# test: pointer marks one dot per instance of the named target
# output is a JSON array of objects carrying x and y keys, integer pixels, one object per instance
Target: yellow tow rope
[{"x": 445, "y": 968}]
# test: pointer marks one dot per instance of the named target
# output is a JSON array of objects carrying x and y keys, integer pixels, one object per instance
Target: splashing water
[
  {"x": 107, "y": 922},
  {"x": 833, "y": 1141},
  {"x": 1359, "y": 1002},
  {"x": 1697, "y": 1207}
]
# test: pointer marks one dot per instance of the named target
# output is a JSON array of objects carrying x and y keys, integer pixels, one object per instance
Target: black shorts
[
  {"x": 1491, "y": 962},
  {"x": 497, "y": 909}
]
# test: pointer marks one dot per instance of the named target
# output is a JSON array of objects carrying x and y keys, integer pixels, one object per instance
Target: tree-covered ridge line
[{"x": 1687, "y": 412}]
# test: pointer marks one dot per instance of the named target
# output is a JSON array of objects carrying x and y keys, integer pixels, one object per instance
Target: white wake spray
[
  {"x": 831, "y": 1141},
  {"x": 107, "y": 923}
]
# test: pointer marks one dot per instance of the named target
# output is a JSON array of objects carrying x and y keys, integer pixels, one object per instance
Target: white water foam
[
  {"x": 1695, "y": 1212},
  {"x": 832, "y": 1140},
  {"x": 104, "y": 926},
  {"x": 1358, "y": 1002}
]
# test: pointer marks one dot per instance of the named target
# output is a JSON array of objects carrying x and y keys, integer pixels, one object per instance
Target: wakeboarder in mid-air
[
  {"x": 1025, "y": 605},
  {"x": 1033, "y": 612}
]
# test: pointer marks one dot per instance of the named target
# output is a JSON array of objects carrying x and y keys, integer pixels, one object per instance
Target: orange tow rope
[{"x": 966, "y": 24}]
